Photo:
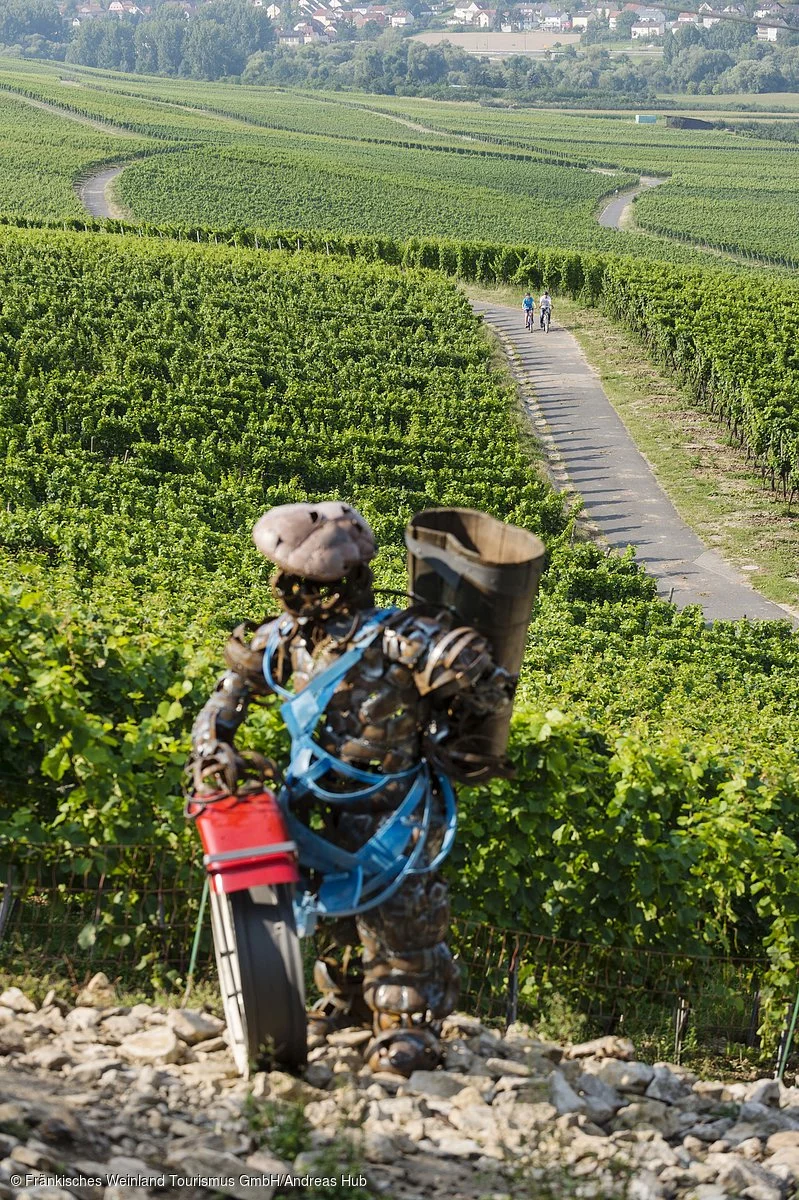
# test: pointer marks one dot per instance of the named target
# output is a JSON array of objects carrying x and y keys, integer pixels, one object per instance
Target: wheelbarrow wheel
[{"x": 260, "y": 976}]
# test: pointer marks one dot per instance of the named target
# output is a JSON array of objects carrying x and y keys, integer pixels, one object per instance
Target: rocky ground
[{"x": 119, "y": 1103}]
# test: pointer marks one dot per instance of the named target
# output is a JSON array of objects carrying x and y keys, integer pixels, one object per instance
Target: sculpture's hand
[{"x": 223, "y": 769}]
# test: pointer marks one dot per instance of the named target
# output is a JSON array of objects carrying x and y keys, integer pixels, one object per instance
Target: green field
[
  {"x": 401, "y": 193},
  {"x": 409, "y": 167},
  {"x": 41, "y": 155},
  {"x": 755, "y": 219},
  {"x": 755, "y": 181}
]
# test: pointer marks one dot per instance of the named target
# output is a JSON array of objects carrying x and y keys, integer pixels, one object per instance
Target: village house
[
  {"x": 361, "y": 18},
  {"x": 645, "y": 30},
  {"x": 560, "y": 23},
  {"x": 769, "y": 33},
  {"x": 526, "y": 18},
  {"x": 707, "y": 16},
  {"x": 306, "y": 34},
  {"x": 87, "y": 12},
  {"x": 401, "y": 18},
  {"x": 466, "y": 14}
]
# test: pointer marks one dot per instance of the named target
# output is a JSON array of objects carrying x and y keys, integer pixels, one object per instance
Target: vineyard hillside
[
  {"x": 281, "y": 318},
  {"x": 158, "y": 395},
  {"x": 409, "y": 167}
]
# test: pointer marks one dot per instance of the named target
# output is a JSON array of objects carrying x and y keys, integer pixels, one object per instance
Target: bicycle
[
  {"x": 546, "y": 317},
  {"x": 528, "y": 319}
]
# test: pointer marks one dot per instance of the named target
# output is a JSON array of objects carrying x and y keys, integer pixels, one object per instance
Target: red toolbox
[{"x": 245, "y": 841}]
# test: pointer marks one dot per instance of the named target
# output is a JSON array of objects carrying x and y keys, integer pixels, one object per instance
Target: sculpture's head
[{"x": 322, "y": 553}]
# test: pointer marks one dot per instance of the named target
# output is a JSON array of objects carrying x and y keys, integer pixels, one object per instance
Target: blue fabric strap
[{"x": 352, "y": 883}]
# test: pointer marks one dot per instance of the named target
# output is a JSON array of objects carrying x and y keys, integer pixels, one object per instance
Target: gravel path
[
  {"x": 115, "y": 1102},
  {"x": 591, "y": 452}
]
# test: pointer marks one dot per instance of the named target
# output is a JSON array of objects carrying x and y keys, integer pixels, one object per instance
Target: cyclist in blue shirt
[{"x": 528, "y": 306}]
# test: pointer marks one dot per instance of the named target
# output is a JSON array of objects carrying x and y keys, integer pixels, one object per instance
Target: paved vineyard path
[
  {"x": 591, "y": 452},
  {"x": 94, "y": 193},
  {"x": 616, "y": 214}
]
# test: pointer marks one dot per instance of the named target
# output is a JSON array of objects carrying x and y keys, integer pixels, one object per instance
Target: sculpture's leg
[
  {"x": 410, "y": 978},
  {"x": 339, "y": 980}
]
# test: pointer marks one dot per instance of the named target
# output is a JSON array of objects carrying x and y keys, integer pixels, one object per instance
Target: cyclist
[
  {"x": 544, "y": 305},
  {"x": 528, "y": 307}
]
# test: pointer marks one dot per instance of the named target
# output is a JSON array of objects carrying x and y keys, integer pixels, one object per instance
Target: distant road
[{"x": 613, "y": 215}]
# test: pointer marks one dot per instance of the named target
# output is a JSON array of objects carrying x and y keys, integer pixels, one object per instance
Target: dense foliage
[
  {"x": 408, "y": 167},
  {"x": 210, "y": 41},
  {"x": 41, "y": 155},
  {"x": 735, "y": 218},
  {"x": 753, "y": 211},
  {"x": 232, "y": 39},
  {"x": 155, "y": 396},
  {"x": 158, "y": 395},
  {"x": 394, "y": 191},
  {"x": 695, "y": 323}
]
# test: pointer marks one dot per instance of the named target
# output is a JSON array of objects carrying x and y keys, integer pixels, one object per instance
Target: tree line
[
  {"x": 724, "y": 58},
  {"x": 231, "y": 39},
  {"x": 215, "y": 42}
]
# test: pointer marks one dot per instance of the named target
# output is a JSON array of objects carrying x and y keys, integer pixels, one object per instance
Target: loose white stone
[
  {"x": 505, "y": 1066},
  {"x": 16, "y": 1000},
  {"x": 621, "y": 1075},
  {"x": 764, "y": 1091},
  {"x": 83, "y": 1018},
  {"x": 152, "y": 1046},
  {"x": 562, "y": 1096},
  {"x": 667, "y": 1086},
  {"x": 193, "y": 1026},
  {"x": 98, "y": 993},
  {"x": 436, "y": 1083},
  {"x": 604, "y": 1047}
]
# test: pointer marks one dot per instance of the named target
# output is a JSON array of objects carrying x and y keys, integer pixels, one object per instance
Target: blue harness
[{"x": 352, "y": 883}]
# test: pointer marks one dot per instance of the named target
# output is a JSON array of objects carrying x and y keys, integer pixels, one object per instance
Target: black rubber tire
[{"x": 261, "y": 976}]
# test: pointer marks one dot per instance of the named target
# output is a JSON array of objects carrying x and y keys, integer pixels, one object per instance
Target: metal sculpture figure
[{"x": 385, "y": 709}]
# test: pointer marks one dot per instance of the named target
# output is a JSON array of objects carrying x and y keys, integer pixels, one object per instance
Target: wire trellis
[{"x": 132, "y": 912}]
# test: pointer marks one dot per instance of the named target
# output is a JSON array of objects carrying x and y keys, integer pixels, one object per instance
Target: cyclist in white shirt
[{"x": 544, "y": 305}]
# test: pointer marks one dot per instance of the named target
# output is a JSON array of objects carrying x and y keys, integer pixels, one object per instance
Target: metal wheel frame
[{"x": 260, "y": 975}]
